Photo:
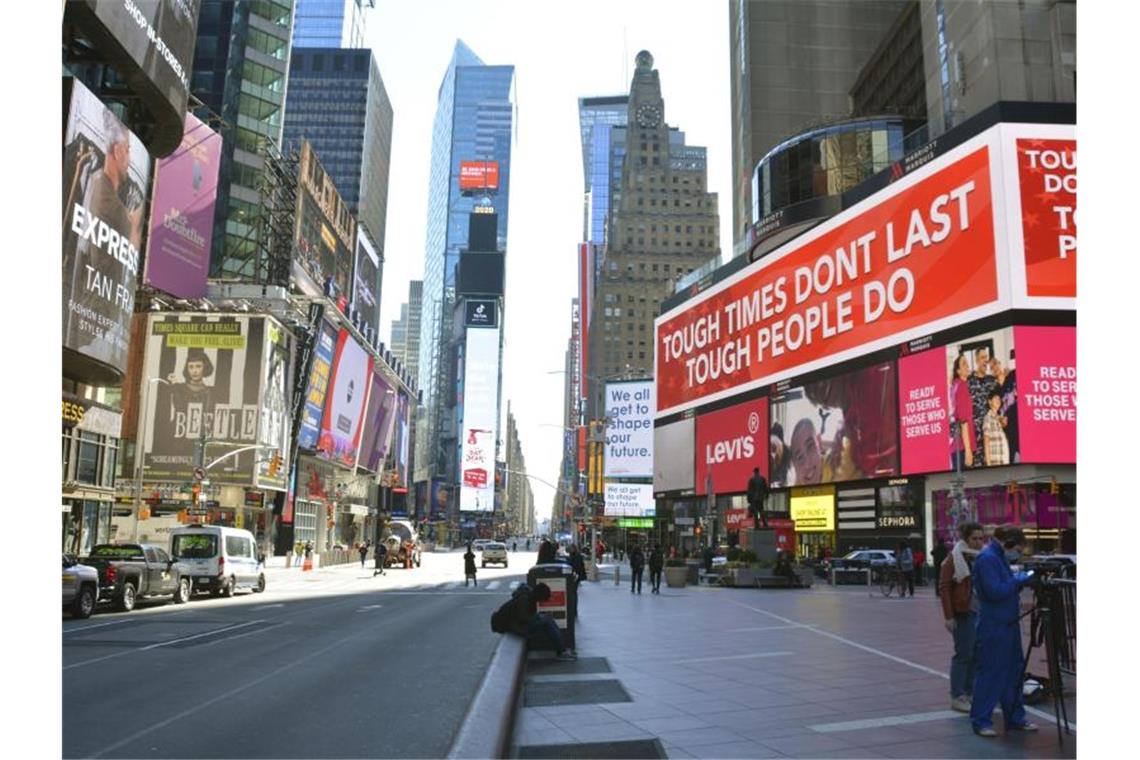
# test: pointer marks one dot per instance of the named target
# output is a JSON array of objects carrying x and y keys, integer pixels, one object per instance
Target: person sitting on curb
[{"x": 519, "y": 615}]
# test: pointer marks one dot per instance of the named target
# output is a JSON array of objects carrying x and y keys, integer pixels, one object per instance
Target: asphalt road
[{"x": 349, "y": 667}]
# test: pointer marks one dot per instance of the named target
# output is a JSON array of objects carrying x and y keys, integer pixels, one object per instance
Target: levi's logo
[{"x": 730, "y": 451}]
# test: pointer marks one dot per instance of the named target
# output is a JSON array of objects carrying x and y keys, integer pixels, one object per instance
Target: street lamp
[{"x": 140, "y": 447}]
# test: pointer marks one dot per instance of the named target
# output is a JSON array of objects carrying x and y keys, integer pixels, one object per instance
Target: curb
[{"x": 486, "y": 728}]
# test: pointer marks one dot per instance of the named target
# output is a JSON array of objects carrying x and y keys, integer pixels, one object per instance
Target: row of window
[{"x": 89, "y": 458}]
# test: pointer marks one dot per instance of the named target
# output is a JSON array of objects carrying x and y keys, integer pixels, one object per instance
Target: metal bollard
[{"x": 617, "y": 575}]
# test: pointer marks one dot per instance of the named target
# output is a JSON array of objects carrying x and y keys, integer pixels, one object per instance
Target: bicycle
[{"x": 889, "y": 580}]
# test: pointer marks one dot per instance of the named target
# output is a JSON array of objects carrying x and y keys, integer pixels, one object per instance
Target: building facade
[
  {"x": 405, "y": 336},
  {"x": 331, "y": 23},
  {"x": 474, "y": 120}
]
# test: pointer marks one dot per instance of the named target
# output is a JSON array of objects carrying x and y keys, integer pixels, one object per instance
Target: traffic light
[
  {"x": 274, "y": 465},
  {"x": 698, "y": 530}
]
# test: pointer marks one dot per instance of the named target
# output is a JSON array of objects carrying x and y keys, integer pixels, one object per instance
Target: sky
[{"x": 560, "y": 51}]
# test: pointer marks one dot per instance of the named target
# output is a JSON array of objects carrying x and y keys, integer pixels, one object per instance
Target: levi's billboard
[
  {"x": 942, "y": 246},
  {"x": 730, "y": 442}
]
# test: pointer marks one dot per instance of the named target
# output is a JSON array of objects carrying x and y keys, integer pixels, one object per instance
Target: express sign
[{"x": 730, "y": 442}]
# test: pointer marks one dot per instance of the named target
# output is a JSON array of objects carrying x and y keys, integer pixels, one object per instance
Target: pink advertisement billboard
[
  {"x": 1047, "y": 403},
  {"x": 182, "y": 214},
  {"x": 924, "y": 417},
  {"x": 345, "y": 401}
]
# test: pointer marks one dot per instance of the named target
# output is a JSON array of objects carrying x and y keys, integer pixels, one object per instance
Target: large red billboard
[
  {"x": 890, "y": 266},
  {"x": 730, "y": 442},
  {"x": 478, "y": 175},
  {"x": 1047, "y": 397},
  {"x": 1047, "y": 177}
]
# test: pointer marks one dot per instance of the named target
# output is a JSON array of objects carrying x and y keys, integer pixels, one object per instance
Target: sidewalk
[{"x": 715, "y": 672}]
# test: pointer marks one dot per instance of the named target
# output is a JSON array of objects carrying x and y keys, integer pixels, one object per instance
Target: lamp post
[{"x": 140, "y": 448}]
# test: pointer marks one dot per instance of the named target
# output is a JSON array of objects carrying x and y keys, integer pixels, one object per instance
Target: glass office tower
[
  {"x": 595, "y": 118},
  {"x": 330, "y": 23}
]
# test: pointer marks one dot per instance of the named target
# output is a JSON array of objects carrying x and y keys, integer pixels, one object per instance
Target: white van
[{"x": 220, "y": 560}]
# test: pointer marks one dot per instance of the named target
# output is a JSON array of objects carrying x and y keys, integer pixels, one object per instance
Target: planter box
[
  {"x": 675, "y": 577},
  {"x": 742, "y": 576}
]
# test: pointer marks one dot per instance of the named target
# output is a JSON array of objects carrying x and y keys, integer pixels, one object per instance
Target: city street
[{"x": 338, "y": 663}]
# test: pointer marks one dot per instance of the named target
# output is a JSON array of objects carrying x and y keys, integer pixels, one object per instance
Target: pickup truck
[{"x": 129, "y": 572}]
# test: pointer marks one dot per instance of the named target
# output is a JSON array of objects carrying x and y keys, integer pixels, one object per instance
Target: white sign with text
[{"x": 629, "y": 435}]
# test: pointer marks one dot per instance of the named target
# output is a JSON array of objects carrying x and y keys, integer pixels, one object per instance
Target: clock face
[{"x": 648, "y": 116}]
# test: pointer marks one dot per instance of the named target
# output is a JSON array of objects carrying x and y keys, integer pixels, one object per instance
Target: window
[
  {"x": 237, "y": 546},
  {"x": 194, "y": 546},
  {"x": 161, "y": 556},
  {"x": 87, "y": 468}
]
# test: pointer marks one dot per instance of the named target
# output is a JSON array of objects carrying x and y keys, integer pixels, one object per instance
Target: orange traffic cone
[{"x": 307, "y": 564}]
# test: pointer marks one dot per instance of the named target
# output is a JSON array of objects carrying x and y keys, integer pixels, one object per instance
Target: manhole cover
[
  {"x": 635, "y": 748},
  {"x": 547, "y": 693}
]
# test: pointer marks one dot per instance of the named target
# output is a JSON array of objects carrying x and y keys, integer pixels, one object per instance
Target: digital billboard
[
  {"x": 182, "y": 213},
  {"x": 345, "y": 401},
  {"x": 215, "y": 378},
  {"x": 629, "y": 430},
  {"x": 931, "y": 251},
  {"x": 955, "y": 398},
  {"x": 730, "y": 442},
  {"x": 675, "y": 447},
  {"x": 478, "y": 175},
  {"x": 813, "y": 509},
  {"x": 314, "y": 407},
  {"x": 377, "y": 424},
  {"x": 325, "y": 231},
  {"x": 629, "y": 500},
  {"x": 836, "y": 429},
  {"x": 480, "y": 420},
  {"x": 106, "y": 174},
  {"x": 1047, "y": 393},
  {"x": 366, "y": 281}
]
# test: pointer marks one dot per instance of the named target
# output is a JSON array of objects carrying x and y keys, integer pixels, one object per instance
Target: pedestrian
[
  {"x": 920, "y": 566},
  {"x": 380, "y": 556},
  {"x": 656, "y": 563},
  {"x": 546, "y": 553},
  {"x": 514, "y": 546},
  {"x": 308, "y": 549},
  {"x": 363, "y": 549},
  {"x": 905, "y": 560},
  {"x": 960, "y": 610},
  {"x": 528, "y": 544},
  {"x": 522, "y": 617},
  {"x": 757, "y": 495},
  {"x": 999, "y": 657},
  {"x": 939, "y": 555},
  {"x": 578, "y": 563},
  {"x": 636, "y": 565},
  {"x": 469, "y": 567}
]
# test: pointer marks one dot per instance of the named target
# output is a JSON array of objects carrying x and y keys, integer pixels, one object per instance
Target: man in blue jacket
[{"x": 999, "y": 656}]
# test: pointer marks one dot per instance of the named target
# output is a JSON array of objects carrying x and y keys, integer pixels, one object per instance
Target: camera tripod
[{"x": 1047, "y": 603}]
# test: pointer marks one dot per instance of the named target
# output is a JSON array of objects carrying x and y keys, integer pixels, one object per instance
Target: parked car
[
  {"x": 494, "y": 552},
  {"x": 478, "y": 544},
  {"x": 129, "y": 572},
  {"x": 875, "y": 559},
  {"x": 80, "y": 587},
  {"x": 221, "y": 560}
]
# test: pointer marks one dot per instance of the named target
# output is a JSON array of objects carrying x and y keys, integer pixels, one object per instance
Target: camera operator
[{"x": 999, "y": 660}]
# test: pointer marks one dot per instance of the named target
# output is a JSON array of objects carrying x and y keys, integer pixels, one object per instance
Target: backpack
[{"x": 501, "y": 618}]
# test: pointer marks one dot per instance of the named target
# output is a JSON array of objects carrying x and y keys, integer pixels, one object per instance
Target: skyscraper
[
  {"x": 405, "y": 342},
  {"x": 241, "y": 60},
  {"x": 330, "y": 23},
  {"x": 596, "y": 117},
  {"x": 337, "y": 101},
  {"x": 664, "y": 224},
  {"x": 474, "y": 120}
]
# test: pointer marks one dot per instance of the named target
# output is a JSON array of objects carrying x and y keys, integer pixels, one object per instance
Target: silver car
[
  {"x": 494, "y": 552},
  {"x": 80, "y": 587}
]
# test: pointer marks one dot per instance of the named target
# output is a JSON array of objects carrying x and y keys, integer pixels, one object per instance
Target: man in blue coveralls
[{"x": 999, "y": 656}]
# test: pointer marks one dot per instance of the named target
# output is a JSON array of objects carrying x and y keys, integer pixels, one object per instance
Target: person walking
[
  {"x": 363, "y": 549},
  {"x": 920, "y": 567},
  {"x": 656, "y": 563},
  {"x": 380, "y": 555},
  {"x": 636, "y": 565},
  {"x": 960, "y": 610},
  {"x": 939, "y": 556},
  {"x": 905, "y": 561},
  {"x": 469, "y": 567},
  {"x": 757, "y": 495},
  {"x": 1000, "y": 660}
]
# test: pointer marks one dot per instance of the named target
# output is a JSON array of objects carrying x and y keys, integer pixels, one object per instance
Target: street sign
[{"x": 199, "y": 473}]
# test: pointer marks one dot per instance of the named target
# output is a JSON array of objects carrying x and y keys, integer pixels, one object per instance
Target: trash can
[{"x": 562, "y": 604}]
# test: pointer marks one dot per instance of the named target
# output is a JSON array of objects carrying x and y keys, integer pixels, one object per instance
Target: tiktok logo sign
[{"x": 730, "y": 442}]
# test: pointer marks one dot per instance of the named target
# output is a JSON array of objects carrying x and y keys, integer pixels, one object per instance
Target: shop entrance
[{"x": 808, "y": 545}]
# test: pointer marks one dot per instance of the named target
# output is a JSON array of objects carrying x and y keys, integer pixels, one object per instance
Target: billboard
[
  {"x": 673, "y": 465},
  {"x": 813, "y": 509},
  {"x": 314, "y": 406},
  {"x": 478, "y": 175},
  {"x": 629, "y": 500},
  {"x": 931, "y": 251},
  {"x": 1047, "y": 396},
  {"x": 377, "y": 424},
  {"x": 325, "y": 232},
  {"x": 481, "y": 313},
  {"x": 106, "y": 173},
  {"x": 730, "y": 442},
  {"x": 218, "y": 378},
  {"x": 1047, "y": 181},
  {"x": 840, "y": 428},
  {"x": 344, "y": 403},
  {"x": 480, "y": 420},
  {"x": 366, "y": 282},
  {"x": 949, "y": 391},
  {"x": 403, "y": 433},
  {"x": 151, "y": 43},
  {"x": 182, "y": 213},
  {"x": 629, "y": 432}
]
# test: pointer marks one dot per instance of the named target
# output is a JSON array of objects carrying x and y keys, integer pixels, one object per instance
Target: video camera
[{"x": 1048, "y": 570}]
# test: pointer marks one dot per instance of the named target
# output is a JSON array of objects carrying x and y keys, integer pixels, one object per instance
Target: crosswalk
[{"x": 458, "y": 586}]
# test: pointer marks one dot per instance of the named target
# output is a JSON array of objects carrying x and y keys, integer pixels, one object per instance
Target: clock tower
[{"x": 646, "y": 106}]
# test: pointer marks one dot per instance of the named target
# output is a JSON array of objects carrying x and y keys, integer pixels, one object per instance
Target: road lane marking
[
  {"x": 493, "y": 585},
  {"x": 733, "y": 657},
  {"x": 767, "y": 628},
  {"x": 247, "y": 633},
  {"x": 370, "y": 607},
  {"x": 162, "y": 644},
  {"x": 1032, "y": 710},
  {"x": 98, "y": 625},
  {"x": 890, "y": 720},
  {"x": 269, "y": 606},
  {"x": 453, "y": 584}
]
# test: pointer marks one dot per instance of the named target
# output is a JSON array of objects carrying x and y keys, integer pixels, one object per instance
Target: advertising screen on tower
[
  {"x": 730, "y": 442},
  {"x": 837, "y": 429},
  {"x": 478, "y": 175},
  {"x": 629, "y": 432},
  {"x": 480, "y": 420},
  {"x": 675, "y": 447},
  {"x": 325, "y": 232},
  {"x": 106, "y": 174},
  {"x": 182, "y": 213},
  {"x": 221, "y": 379},
  {"x": 1047, "y": 393},
  {"x": 366, "y": 287},
  {"x": 377, "y": 425},
  {"x": 345, "y": 401}
]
